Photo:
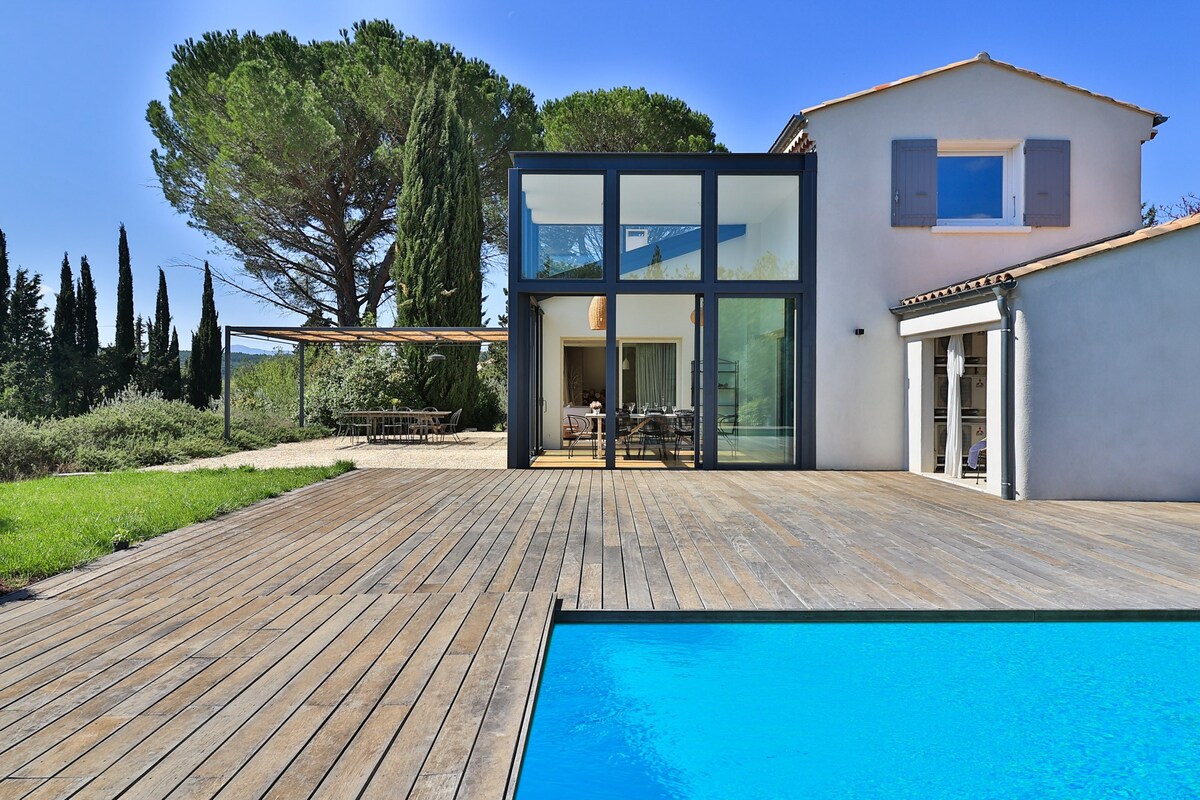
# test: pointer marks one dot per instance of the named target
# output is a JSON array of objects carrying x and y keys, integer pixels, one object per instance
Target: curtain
[
  {"x": 954, "y": 370},
  {"x": 655, "y": 374}
]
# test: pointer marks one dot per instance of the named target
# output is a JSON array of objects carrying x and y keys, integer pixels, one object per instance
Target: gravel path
[{"x": 475, "y": 451}]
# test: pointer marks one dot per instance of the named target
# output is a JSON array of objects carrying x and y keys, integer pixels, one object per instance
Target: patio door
[
  {"x": 755, "y": 378},
  {"x": 537, "y": 399}
]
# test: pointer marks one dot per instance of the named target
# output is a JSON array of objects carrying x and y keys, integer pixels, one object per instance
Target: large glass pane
[
  {"x": 758, "y": 227},
  {"x": 655, "y": 424},
  {"x": 660, "y": 227},
  {"x": 970, "y": 187},
  {"x": 756, "y": 380},
  {"x": 562, "y": 226}
]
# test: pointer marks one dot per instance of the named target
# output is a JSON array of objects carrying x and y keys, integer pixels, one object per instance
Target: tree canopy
[
  {"x": 627, "y": 120},
  {"x": 291, "y": 154}
]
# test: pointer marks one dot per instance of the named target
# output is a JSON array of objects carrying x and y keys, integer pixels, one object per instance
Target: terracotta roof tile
[{"x": 1054, "y": 260}]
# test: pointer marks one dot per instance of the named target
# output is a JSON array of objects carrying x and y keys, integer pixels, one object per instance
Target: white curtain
[{"x": 954, "y": 371}]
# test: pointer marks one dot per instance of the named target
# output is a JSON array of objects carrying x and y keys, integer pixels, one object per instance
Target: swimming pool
[{"x": 730, "y": 710}]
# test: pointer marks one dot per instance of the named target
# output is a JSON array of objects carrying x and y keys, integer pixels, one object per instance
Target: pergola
[{"x": 301, "y": 336}]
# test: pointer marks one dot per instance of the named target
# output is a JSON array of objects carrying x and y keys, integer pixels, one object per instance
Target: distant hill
[{"x": 238, "y": 358}]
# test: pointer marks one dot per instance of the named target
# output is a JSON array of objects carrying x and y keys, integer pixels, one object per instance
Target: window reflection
[
  {"x": 758, "y": 233},
  {"x": 562, "y": 226},
  {"x": 660, "y": 227}
]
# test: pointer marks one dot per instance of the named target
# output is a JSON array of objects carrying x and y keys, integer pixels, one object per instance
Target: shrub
[
  {"x": 356, "y": 378},
  {"x": 270, "y": 386},
  {"x": 25, "y": 450},
  {"x": 136, "y": 430}
]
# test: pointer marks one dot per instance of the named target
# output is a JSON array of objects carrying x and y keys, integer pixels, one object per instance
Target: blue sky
[{"x": 75, "y": 79}]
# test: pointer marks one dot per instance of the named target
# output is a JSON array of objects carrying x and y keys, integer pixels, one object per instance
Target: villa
[
  {"x": 960, "y": 305},
  {"x": 979, "y": 220}
]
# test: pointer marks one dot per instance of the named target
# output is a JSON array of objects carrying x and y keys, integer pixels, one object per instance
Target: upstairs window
[
  {"x": 974, "y": 184},
  {"x": 952, "y": 185}
]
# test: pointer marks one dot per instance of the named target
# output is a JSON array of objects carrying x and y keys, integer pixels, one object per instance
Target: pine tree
[
  {"x": 204, "y": 365},
  {"x": 439, "y": 230},
  {"x": 172, "y": 381},
  {"x": 65, "y": 358},
  {"x": 87, "y": 330},
  {"x": 125, "y": 357},
  {"x": 5, "y": 289},
  {"x": 25, "y": 374}
]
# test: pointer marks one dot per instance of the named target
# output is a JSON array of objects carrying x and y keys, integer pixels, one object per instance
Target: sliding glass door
[{"x": 756, "y": 380}]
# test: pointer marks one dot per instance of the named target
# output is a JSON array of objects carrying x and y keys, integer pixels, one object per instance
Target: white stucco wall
[
  {"x": 647, "y": 318},
  {"x": 1108, "y": 374},
  {"x": 866, "y": 266}
]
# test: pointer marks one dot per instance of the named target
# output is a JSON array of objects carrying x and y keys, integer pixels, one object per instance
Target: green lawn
[{"x": 53, "y": 524}]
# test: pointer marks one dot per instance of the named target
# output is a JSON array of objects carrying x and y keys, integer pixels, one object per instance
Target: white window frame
[{"x": 1012, "y": 186}]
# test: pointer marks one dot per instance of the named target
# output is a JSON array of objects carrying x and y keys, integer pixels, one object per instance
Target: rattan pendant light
[{"x": 598, "y": 313}]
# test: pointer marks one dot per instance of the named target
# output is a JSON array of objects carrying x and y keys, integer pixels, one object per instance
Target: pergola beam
[{"x": 301, "y": 336}]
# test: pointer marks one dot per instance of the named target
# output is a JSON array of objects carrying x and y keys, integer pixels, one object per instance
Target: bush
[
  {"x": 356, "y": 378},
  {"x": 133, "y": 430},
  {"x": 136, "y": 430},
  {"x": 491, "y": 412},
  {"x": 25, "y": 451},
  {"x": 270, "y": 386}
]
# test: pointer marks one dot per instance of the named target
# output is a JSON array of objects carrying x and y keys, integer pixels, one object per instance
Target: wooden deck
[{"x": 379, "y": 634}]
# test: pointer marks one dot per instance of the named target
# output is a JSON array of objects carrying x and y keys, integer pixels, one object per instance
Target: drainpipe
[{"x": 1008, "y": 458}]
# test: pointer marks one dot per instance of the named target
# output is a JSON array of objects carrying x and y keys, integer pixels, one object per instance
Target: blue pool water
[{"x": 890, "y": 710}]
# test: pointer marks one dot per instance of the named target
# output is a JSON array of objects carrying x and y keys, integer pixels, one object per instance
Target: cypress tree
[
  {"x": 204, "y": 366},
  {"x": 26, "y": 372},
  {"x": 5, "y": 288},
  {"x": 139, "y": 348},
  {"x": 65, "y": 358},
  {"x": 158, "y": 335},
  {"x": 88, "y": 331},
  {"x": 172, "y": 381},
  {"x": 439, "y": 232},
  {"x": 125, "y": 357}
]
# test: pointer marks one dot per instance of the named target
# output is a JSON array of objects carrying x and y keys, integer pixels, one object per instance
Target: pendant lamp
[{"x": 598, "y": 313}]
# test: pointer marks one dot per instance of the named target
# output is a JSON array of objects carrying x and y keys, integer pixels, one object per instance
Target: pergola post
[
  {"x": 301, "y": 349},
  {"x": 228, "y": 371}
]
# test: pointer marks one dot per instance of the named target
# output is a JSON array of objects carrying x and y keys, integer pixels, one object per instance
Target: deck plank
[{"x": 380, "y": 633}]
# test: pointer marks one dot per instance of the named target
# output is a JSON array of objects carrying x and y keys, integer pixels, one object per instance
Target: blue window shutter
[
  {"x": 914, "y": 183},
  {"x": 1048, "y": 183}
]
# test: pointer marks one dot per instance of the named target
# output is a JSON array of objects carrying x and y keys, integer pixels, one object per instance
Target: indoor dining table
[{"x": 596, "y": 421}]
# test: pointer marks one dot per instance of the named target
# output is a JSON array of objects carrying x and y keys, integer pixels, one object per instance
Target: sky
[{"x": 75, "y": 79}]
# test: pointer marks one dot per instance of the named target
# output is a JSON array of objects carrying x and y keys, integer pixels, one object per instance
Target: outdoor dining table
[{"x": 375, "y": 417}]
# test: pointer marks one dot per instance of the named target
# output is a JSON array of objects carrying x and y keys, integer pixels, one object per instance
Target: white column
[
  {"x": 995, "y": 402},
  {"x": 919, "y": 358}
]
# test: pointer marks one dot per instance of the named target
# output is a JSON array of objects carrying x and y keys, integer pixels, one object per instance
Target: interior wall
[{"x": 638, "y": 317}]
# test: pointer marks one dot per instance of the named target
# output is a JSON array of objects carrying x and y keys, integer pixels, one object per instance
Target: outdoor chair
[
  {"x": 395, "y": 426},
  {"x": 578, "y": 429},
  {"x": 422, "y": 426},
  {"x": 449, "y": 427},
  {"x": 353, "y": 426}
]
